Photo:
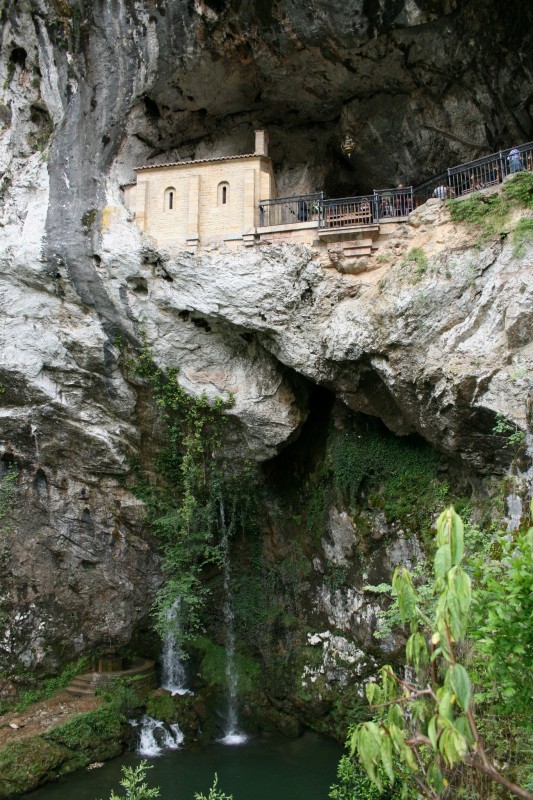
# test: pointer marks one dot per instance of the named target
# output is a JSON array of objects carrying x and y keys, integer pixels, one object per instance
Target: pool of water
[{"x": 264, "y": 768}]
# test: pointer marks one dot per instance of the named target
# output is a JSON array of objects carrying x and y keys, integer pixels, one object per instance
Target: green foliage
[
  {"x": 213, "y": 665},
  {"x": 134, "y": 782},
  {"x": 506, "y": 428},
  {"x": 424, "y": 723},
  {"x": 88, "y": 219},
  {"x": 489, "y": 213},
  {"x": 24, "y": 762},
  {"x": 502, "y": 625},
  {"x": 162, "y": 706},
  {"x": 523, "y": 235},
  {"x": 391, "y": 470},
  {"x": 519, "y": 189},
  {"x": 389, "y": 618},
  {"x": 47, "y": 687},
  {"x": 353, "y": 784},
  {"x": 88, "y": 731},
  {"x": 126, "y": 695},
  {"x": 214, "y": 793},
  {"x": 417, "y": 257},
  {"x": 478, "y": 209},
  {"x": 184, "y": 503}
]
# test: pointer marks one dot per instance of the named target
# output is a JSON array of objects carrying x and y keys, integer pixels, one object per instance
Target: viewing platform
[
  {"x": 358, "y": 221},
  {"x": 199, "y": 203}
]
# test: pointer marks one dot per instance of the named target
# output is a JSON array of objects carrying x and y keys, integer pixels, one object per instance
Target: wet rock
[{"x": 431, "y": 351}]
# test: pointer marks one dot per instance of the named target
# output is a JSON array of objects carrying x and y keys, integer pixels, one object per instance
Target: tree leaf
[
  {"x": 446, "y": 704},
  {"x": 456, "y": 538},
  {"x": 432, "y": 732},
  {"x": 386, "y": 756},
  {"x": 373, "y": 693},
  {"x": 443, "y": 561},
  {"x": 460, "y": 683},
  {"x": 435, "y": 778}
]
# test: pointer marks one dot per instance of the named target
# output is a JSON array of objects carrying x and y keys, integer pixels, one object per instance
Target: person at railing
[
  {"x": 385, "y": 206},
  {"x": 515, "y": 162},
  {"x": 475, "y": 183},
  {"x": 365, "y": 212},
  {"x": 441, "y": 191},
  {"x": 403, "y": 201}
]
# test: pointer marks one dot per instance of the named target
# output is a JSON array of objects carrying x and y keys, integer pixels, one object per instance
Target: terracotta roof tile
[{"x": 199, "y": 161}]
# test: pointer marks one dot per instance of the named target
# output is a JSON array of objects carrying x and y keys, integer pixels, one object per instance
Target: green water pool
[{"x": 264, "y": 768}]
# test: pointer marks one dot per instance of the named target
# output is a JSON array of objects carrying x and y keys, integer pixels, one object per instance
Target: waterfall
[
  {"x": 528, "y": 475},
  {"x": 232, "y": 734},
  {"x": 173, "y": 675},
  {"x": 154, "y": 737},
  {"x": 523, "y": 488}
]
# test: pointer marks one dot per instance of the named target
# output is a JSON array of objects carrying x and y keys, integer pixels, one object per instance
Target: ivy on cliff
[
  {"x": 186, "y": 500},
  {"x": 386, "y": 470}
]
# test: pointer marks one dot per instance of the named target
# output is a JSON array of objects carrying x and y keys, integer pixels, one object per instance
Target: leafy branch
[
  {"x": 424, "y": 723},
  {"x": 133, "y": 782}
]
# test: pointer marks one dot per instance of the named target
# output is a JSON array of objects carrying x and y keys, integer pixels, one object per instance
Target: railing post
[
  {"x": 375, "y": 209},
  {"x": 502, "y": 167}
]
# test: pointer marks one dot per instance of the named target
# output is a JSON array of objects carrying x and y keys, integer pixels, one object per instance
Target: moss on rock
[
  {"x": 93, "y": 736},
  {"x": 26, "y": 763}
]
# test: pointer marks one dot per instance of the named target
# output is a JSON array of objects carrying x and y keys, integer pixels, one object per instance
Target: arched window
[
  {"x": 170, "y": 199},
  {"x": 223, "y": 193}
]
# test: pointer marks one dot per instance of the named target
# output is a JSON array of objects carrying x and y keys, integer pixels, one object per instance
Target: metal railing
[
  {"x": 427, "y": 189},
  {"x": 288, "y": 210},
  {"x": 346, "y": 211},
  {"x": 475, "y": 175},
  {"x": 392, "y": 203},
  {"x": 489, "y": 170}
]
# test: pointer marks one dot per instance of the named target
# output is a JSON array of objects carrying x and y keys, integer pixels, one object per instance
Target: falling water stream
[
  {"x": 523, "y": 487},
  {"x": 173, "y": 676},
  {"x": 154, "y": 736},
  {"x": 232, "y": 734}
]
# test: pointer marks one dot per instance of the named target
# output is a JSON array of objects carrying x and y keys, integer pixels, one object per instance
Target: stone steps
[
  {"x": 358, "y": 247},
  {"x": 82, "y": 685},
  {"x": 87, "y": 683}
]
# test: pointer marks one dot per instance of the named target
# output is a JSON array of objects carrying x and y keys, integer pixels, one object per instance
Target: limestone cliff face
[{"x": 89, "y": 91}]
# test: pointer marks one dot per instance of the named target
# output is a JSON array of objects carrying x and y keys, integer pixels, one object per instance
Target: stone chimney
[{"x": 261, "y": 143}]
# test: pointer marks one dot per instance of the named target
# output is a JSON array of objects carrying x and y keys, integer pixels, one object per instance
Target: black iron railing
[
  {"x": 393, "y": 203},
  {"x": 386, "y": 204},
  {"x": 489, "y": 170},
  {"x": 287, "y": 210},
  {"x": 475, "y": 175},
  {"x": 346, "y": 211},
  {"x": 428, "y": 188},
  {"x": 340, "y": 212},
  {"x": 366, "y": 209}
]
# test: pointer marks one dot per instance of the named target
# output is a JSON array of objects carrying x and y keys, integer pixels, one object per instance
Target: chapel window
[
  {"x": 223, "y": 193},
  {"x": 170, "y": 199}
]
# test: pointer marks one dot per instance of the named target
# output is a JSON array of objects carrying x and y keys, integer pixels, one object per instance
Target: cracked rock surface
[{"x": 439, "y": 352}]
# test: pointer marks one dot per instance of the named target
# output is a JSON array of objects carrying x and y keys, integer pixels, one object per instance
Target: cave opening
[
  {"x": 355, "y": 461},
  {"x": 18, "y": 57},
  {"x": 291, "y": 465}
]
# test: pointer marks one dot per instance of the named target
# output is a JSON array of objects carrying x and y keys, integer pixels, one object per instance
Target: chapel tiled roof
[{"x": 199, "y": 161}]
